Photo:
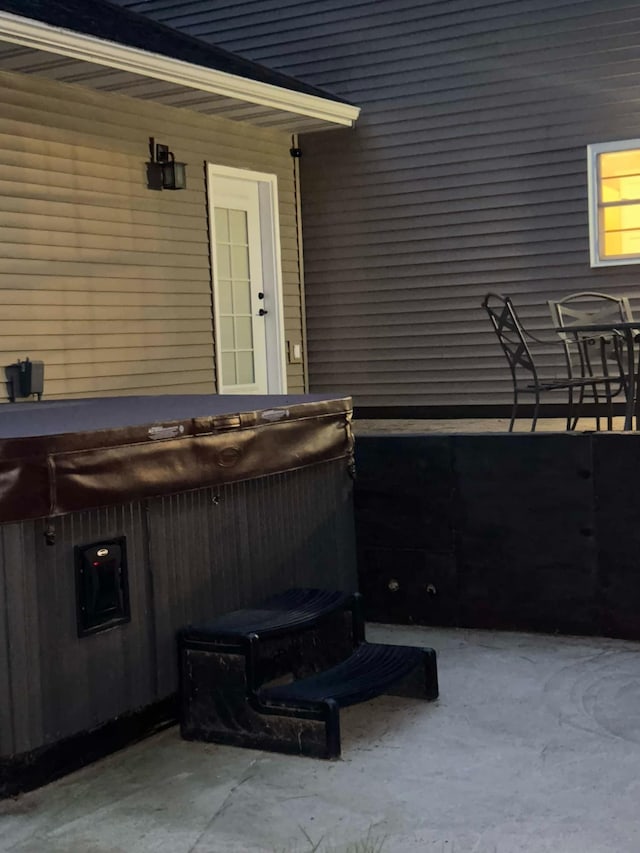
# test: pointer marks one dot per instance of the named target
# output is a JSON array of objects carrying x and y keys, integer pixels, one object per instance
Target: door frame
[{"x": 271, "y": 270}]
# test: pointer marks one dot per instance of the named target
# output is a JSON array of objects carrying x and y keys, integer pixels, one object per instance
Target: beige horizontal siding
[
  {"x": 24, "y": 343},
  {"x": 104, "y": 280},
  {"x": 13, "y": 300}
]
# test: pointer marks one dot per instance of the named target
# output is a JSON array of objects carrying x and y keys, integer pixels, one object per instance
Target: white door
[{"x": 246, "y": 283}]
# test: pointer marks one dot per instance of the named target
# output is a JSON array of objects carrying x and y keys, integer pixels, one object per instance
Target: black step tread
[
  {"x": 368, "y": 672},
  {"x": 287, "y": 611}
]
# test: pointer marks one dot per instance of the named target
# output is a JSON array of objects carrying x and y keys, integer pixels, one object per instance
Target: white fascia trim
[{"x": 40, "y": 36}]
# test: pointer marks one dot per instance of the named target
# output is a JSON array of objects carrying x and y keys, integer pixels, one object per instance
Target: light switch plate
[{"x": 295, "y": 351}]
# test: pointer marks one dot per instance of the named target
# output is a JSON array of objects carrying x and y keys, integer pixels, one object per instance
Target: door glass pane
[
  {"x": 245, "y": 368},
  {"x": 223, "y": 258},
  {"x": 227, "y": 337},
  {"x": 225, "y": 297},
  {"x": 221, "y": 220},
  {"x": 242, "y": 297},
  {"x": 240, "y": 261},
  {"x": 244, "y": 333},
  {"x": 238, "y": 227},
  {"x": 235, "y": 321},
  {"x": 228, "y": 368}
]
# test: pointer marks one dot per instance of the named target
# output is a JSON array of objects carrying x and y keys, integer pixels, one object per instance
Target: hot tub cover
[{"x": 61, "y": 456}]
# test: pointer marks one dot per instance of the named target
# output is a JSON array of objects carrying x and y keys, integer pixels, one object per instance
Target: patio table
[{"x": 630, "y": 331}]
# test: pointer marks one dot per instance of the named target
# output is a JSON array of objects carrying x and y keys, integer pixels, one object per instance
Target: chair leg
[
  {"x": 535, "y": 411},
  {"x": 579, "y": 407},
  {"x": 608, "y": 390},
  {"x": 596, "y": 402},
  {"x": 514, "y": 408},
  {"x": 570, "y": 410}
]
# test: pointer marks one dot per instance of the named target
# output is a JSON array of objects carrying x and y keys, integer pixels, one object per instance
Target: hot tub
[{"x": 123, "y": 519}]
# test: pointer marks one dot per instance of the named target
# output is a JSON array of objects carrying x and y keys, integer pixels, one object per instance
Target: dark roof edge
[{"x": 106, "y": 21}]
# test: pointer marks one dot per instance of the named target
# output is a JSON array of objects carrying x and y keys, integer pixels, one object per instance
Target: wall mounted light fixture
[
  {"x": 163, "y": 171},
  {"x": 25, "y": 379}
]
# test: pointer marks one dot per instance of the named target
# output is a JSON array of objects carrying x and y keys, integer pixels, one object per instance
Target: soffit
[{"x": 32, "y": 47}]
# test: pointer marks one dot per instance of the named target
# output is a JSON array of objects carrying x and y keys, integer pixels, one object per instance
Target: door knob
[{"x": 262, "y": 312}]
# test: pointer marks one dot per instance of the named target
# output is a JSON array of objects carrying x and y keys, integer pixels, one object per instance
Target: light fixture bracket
[
  {"x": 162, "y": 153},
  {"x": 163, "y": 171}
]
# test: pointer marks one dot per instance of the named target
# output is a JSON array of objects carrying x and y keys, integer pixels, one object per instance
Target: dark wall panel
[
  {"x": 617, "y": 504},
  {"x": 404, "y": 506},
  {"x": 409, "y": 585},
  {"x": 523, "y": 531},
  {"x": 525, "y": 537},
  {"x": 405, "y": 491}
]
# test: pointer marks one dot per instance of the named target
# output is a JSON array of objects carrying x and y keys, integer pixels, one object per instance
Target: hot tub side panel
[
  {"x": 191, "y": 556},
  {"x": 218, "y": 549},
  {"x": 58, "y": 684}
]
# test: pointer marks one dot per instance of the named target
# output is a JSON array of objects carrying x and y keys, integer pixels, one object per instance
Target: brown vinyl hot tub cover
[{"x": 61, "y": 456}]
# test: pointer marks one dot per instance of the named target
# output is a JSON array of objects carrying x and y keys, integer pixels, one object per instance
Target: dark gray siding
[{"x": 466, "y": 172}]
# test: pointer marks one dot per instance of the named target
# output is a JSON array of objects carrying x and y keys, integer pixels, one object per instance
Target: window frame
[{"x": 593, "y": 150}]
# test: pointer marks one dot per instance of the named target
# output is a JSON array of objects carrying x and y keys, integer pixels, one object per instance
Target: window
[{"x": 614, "y": 202}]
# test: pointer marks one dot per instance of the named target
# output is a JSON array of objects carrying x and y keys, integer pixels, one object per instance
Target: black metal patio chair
[
  {"x": 588, "y": 354},
  {"x": 518, "y": 346}
]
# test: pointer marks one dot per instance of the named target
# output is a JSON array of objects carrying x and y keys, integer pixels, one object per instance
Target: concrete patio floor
[{"x": 533, "y": 746}]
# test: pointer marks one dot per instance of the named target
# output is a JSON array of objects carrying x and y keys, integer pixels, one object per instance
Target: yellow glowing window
[{"x": 614, "y": 184}]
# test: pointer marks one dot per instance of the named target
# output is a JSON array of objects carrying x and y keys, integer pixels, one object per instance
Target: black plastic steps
[
  {"x": 274, "y": 676},
  {"x": 292, "y": 610},
  {"x": 368, "y": 672}
]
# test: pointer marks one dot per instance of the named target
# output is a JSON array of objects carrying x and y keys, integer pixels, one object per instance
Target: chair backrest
[
  {"x": 578, "y": 309},
  {"x": 589, "y": 307},
  {"x": 511, "y": 334}
]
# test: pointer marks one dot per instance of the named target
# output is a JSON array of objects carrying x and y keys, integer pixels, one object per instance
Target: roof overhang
[{"x": 32, "y": 47}]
